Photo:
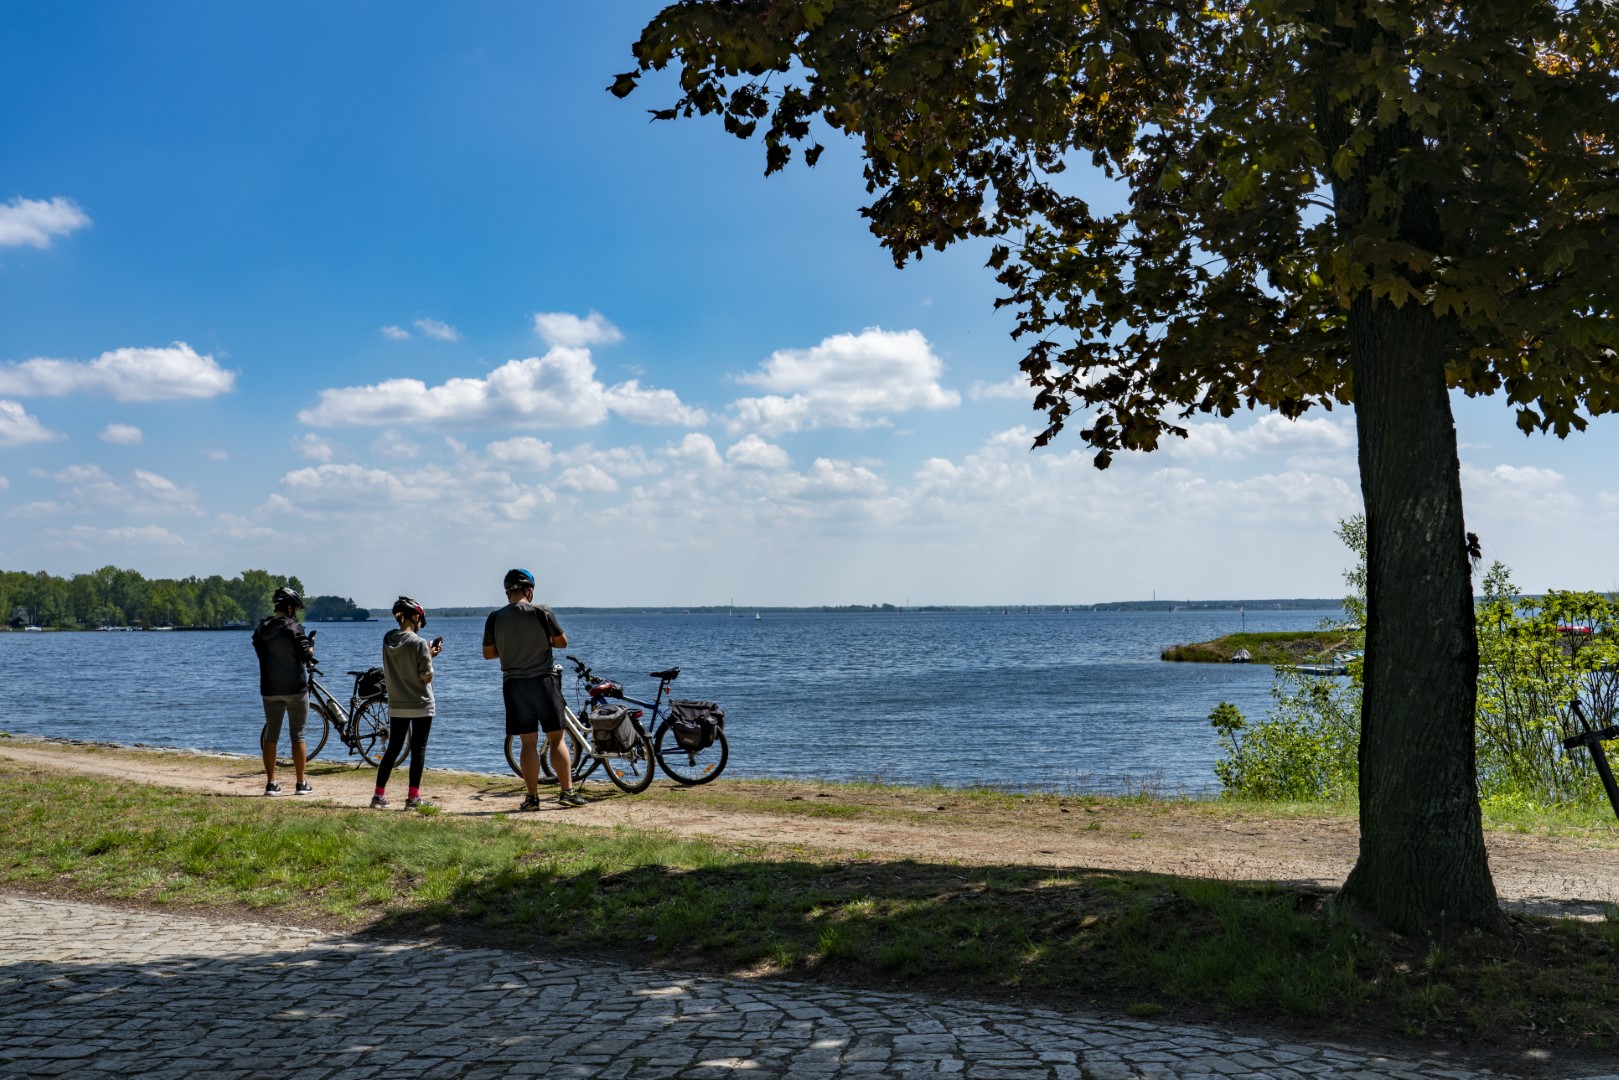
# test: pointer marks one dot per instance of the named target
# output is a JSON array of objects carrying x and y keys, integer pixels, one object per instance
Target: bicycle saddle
[{"x": 672, "y": 674}]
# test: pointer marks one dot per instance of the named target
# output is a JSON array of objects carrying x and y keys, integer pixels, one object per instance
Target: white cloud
[
  {"x": 587, "y": 478},
  {"x": 828, "y": 478},
  {"x": 653, "y": 406},
  {"x": 1015, "y": 388},
  {"x": 313, "y": 447},
  {"x": 89, "y": 489},
  {"x": 848, "y": 381},
  {"x": 754, "y": 453},
  {"x": 1517, "y": 490},
  {"x": 628, "y": 462},
  {"x": 124, "y": 374},
  {"x": 1322, "y": 437},
  {"x": 559, "y": 389},
  {"x": 442, "y": 331},
  {"x": 35, "y": 222},
  {"x": 358, "y": 484},
  {"x": 559, "y": 328},
  {"x": 395, "y": 333},
  {"x": 4, "y": 483},
  {"x": 457, "y": 488},
  {"x": 523, "y": 452},
  {"x": 696, "y": 451},
  {"x": 391, "y": 444},
  {"x": 219, "y": 455},
  {"x": 18, "y": 427},
  {"x": 121, "y": 434},
  {"x": 85, "y": 537}
]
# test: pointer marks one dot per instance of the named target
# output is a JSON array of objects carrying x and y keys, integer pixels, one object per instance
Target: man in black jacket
[{"x": 284, "y": 650}]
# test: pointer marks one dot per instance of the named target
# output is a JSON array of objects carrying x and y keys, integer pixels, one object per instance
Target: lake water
[{"x": 1052, "y": 701}]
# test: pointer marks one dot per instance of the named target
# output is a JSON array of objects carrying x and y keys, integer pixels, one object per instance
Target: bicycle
[
  {"x": 362, "y": 727},
  {"x": 630, "y": 767},
  {"x": 687, "y": 765}
]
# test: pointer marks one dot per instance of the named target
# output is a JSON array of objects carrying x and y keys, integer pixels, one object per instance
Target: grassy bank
[
  {"x": 1271, "y": 647},
  {"x": 1138, "y": 943}
]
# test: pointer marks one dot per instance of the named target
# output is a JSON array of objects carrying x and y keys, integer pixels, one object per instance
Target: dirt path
[{"x": 1535, "y": 873}]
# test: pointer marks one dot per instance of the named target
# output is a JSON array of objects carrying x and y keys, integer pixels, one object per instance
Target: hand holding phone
[{"x": 438, "y": 644}]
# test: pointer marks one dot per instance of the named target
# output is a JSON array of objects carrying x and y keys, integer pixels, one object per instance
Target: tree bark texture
[{"x": 1422, "y": 864}]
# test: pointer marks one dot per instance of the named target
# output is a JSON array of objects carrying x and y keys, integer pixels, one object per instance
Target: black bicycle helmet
[
  {"x": 518, "y": 578},
  {"x": 405, "y": 603},
  {"x": 286, "y": 598}
]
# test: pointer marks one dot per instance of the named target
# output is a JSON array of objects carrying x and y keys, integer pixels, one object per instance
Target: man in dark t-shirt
[{"x": 521, "y": 636}]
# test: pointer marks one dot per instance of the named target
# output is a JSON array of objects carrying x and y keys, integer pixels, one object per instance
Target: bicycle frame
[{"x": 582, "y": 733}]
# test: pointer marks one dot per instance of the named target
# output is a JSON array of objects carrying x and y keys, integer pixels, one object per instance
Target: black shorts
[{"x": 532, "y": 705}]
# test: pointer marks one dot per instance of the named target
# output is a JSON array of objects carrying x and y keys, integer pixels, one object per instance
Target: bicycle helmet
[
  {"x": 286, "y": 598},
  {"x": 518, "y": 578},
  {"x": 406, "y": 604}
]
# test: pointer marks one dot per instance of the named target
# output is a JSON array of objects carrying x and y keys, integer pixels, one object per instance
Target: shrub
[{"x": 1537, "y": 657}]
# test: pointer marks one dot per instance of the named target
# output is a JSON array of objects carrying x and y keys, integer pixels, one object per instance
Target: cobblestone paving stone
[{"x": 91, "y": 991}]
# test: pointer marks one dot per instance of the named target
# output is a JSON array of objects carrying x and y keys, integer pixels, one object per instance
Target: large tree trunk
[{"x": 1422, "y": 864}]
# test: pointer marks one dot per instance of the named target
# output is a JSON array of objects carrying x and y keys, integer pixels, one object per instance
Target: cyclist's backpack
[
  {"x": 370, "y": 683},
  {"x": 611, "y": 729},
  {"x": 695, "y": 723}
]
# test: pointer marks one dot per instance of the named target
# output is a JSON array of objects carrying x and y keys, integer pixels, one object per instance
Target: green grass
[
  {"x": 1268, "y": 647},
  {"x": 1133, "y": 942}
]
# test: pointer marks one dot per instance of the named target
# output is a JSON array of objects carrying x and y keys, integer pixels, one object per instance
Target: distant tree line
[
  {"x": 114, "y": 597},
  {"x": 334, "y": 609}
]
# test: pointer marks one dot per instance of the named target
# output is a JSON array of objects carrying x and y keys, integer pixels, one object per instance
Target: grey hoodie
[{"x": 407, "y": 661}]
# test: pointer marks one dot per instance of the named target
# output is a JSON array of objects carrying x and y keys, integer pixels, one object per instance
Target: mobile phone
[{"x": 439, "y": 641}]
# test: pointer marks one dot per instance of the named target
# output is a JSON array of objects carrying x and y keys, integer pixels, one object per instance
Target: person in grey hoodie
[{"x": 407, "y": 667}]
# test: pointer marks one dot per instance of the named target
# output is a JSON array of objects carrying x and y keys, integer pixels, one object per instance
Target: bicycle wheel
[
  {"x": 371, "y": 733},
  {"x": 633, "y": 773},
  {"x": 582, "y": 762},
  {"x": 316, "y": 730},
  {"x": 317, "y": 722},
  {"x": 691, "y": 767}
]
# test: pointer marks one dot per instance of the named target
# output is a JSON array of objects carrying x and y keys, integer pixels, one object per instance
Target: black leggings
[{"x": 418, "y": 726}]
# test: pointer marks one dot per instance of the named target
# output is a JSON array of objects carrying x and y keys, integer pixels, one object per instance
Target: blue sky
[{"x": 394, "y": 296}]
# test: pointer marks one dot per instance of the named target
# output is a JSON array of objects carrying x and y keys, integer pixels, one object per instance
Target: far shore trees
[
  {"x": 114, "y": 597},
  {"x": 1325, "y": 202}
]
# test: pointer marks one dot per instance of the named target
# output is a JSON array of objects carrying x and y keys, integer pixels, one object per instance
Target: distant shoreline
[{"x": 1298, "y": 604}]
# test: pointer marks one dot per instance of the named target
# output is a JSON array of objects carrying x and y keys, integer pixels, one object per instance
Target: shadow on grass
[{"x": 1059, "y": 937}]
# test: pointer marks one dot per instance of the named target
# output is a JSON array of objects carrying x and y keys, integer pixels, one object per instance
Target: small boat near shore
[{"x": 1338, "y": 665}]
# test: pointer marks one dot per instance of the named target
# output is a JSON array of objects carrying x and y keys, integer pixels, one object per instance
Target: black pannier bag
[
  {"x": 611, "y": 729},
  {"x": 695, "y": 723},
  {"x": 370, "y": 683}
]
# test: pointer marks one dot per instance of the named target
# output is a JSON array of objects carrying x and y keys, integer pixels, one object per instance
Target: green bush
[{"x": 1537, "y": 655}]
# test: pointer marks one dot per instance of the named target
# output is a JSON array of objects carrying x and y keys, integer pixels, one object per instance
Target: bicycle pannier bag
[
  {"x": 611, "y": 729},
  {"x": 371, "y": 684},
  {"x": 695, "y": 723}
]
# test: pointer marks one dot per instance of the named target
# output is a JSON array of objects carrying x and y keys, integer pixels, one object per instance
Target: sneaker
[
  {"x": 379, "y": 802},
  {"x": 571, "y": 798},
  {"x": 272, "y": 789},
  {"x": 303, "y": 789},
  {"x": 530, "y": 803},
  {"x": 416, "y": 803}
]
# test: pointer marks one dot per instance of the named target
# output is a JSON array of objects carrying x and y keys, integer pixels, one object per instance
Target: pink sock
[
  {"x": 415, "y": 793},
  {"x": 382, "y": 791}
]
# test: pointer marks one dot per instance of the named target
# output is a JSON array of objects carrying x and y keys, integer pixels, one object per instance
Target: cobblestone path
[{"x": 88, "y": 991}]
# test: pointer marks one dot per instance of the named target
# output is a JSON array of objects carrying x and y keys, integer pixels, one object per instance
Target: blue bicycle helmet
[{"x": 518, "y": 578}]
